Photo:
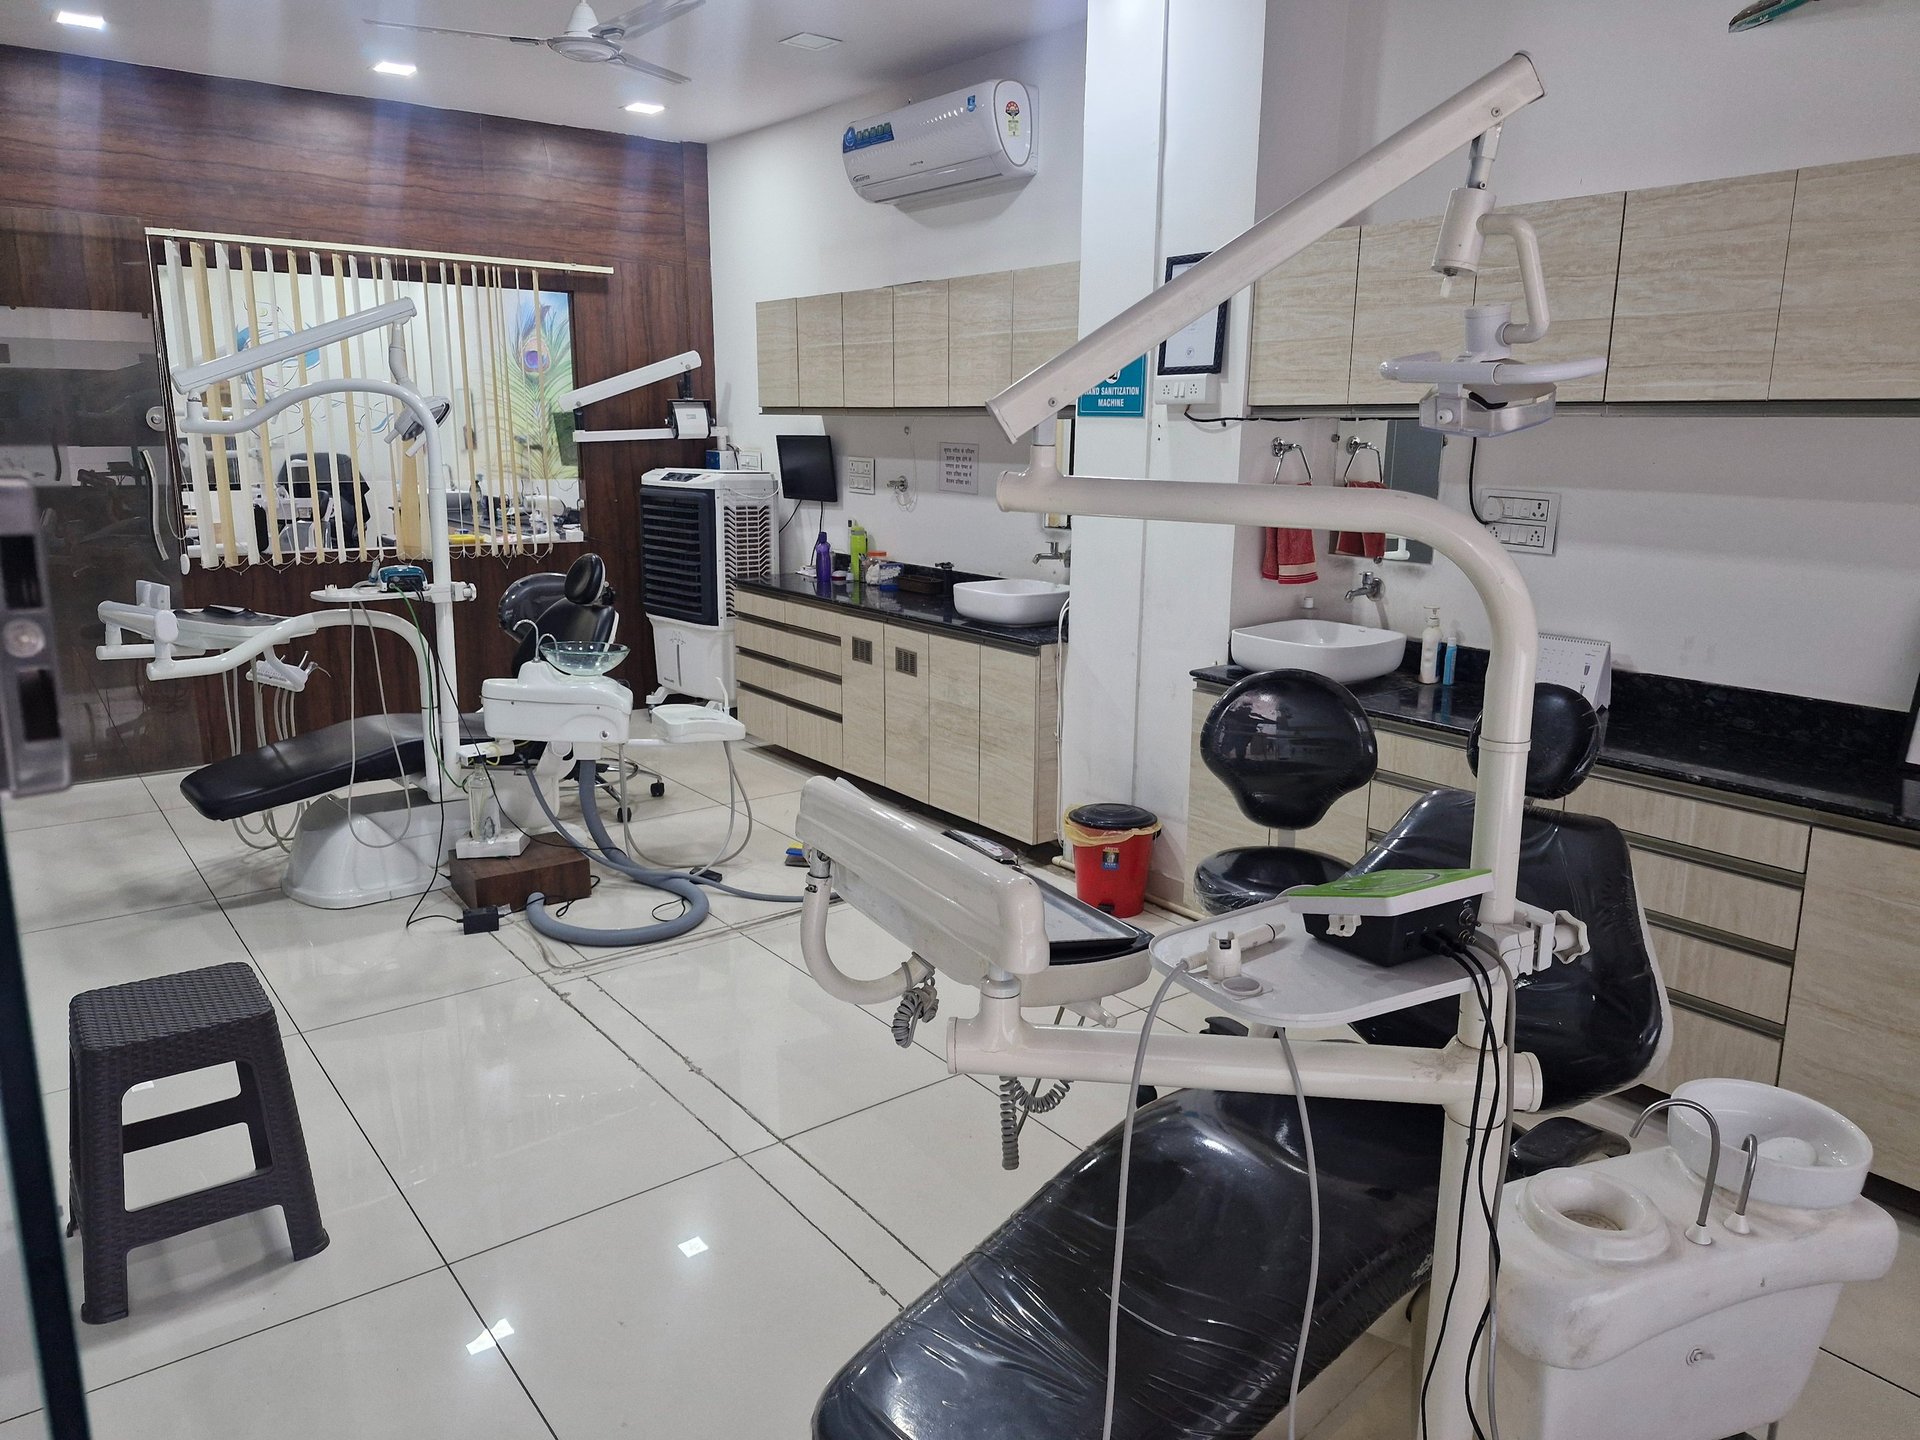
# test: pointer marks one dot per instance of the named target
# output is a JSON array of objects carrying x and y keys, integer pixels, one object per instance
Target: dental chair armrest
[{"x": 1561, "y": 1141}]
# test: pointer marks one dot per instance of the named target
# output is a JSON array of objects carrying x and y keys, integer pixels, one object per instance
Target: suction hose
[{"x": 673, "y": 882}]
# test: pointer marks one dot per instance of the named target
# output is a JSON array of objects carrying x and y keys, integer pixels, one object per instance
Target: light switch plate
[
  {"x": 1185, "y": 389},
  {"x": 1526, "y": 520},
  {"x": 860, "y": 472}
]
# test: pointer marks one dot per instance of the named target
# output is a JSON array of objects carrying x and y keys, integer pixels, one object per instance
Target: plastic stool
[{"x": 126, "y": 1035}]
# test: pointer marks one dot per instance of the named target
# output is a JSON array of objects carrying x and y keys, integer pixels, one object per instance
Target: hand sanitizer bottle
[{"x": 1430, "y": 648}]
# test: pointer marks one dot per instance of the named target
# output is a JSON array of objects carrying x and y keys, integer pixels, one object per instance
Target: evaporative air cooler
[{"x": 700, "y": 532}]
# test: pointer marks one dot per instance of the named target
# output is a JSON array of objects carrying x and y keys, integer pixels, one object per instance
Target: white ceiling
[{"x": 742, "y": 77}]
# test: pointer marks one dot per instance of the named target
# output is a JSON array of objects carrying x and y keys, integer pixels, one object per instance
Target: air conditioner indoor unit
[
  {"x": 952, "y": 143},
  {"x": 700, "y": 532}
]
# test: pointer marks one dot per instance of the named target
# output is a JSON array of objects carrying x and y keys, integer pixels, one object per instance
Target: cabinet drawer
[
  {"x": 764, "y": 607},
  {"x": 814, "y": 736},
  {"x": 1726, "y": 976},
  {"x": 1766, "y": 839},
  {"x": 1427, "y": 760},
  {"x": 813, "y": 651},
  {"x": 1387, "y": 804},
  {"x": 796, "y": 685},
  {"x": 1719, "y": 899},
  {"x": 764, "y": 717},
  {"x": 1704, "y": 1046}
]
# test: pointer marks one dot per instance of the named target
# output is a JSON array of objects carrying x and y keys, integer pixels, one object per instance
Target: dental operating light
[{"x": 687, "y": 418}]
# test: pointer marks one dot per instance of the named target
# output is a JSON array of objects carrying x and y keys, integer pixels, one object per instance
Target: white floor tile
[
  {"x": 704, "y": 1310},
  {"x": 333, "y": 965},
  {"x": 1844, "y": 1402},
  {"x": 704, "y": 768},
  {"x": 927, "y": 1166},
  {"x": 164, "y": 786},
  {"x": 787, "y": 1052},
  {"x": 230, "y": 866},
  {"x": 94, "y": 800},
  {"x": 91, "y": 869},
  {"x": 1877, "y": 1326},
  {"x": 710, "y": 1105},
  {"x": 393, "y": 1365},
  {"x": 63, "y": 962},
  {"x": 217, "y": 1284},
  {"x": 864, "y": 1240},
  {"x": 501, "y": 1111}
]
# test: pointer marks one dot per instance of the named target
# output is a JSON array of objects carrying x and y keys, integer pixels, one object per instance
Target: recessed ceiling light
[
  {"x": 807, "y": 40},
  {"x": 394, "y": 67},
  {"x": 84, "y": 22},
  {"x": 644, "y": 107}
]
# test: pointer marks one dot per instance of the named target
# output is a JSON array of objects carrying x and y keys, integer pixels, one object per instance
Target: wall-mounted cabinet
[
  {"x": 1796, "y": 285},
  {"x": 931, "y": 344},
  {"x": 1699, "y": 294},
  {"x": 940, "y": 718},
  {"x": 1850, "y": 315}
]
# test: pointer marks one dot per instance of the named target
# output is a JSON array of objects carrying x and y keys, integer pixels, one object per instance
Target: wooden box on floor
[{"x": 556, "y": 871}]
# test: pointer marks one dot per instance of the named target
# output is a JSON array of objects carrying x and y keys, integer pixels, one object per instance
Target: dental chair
[
  {"x": 575, "y": 606},
  {"x": 1012, "y": 1342},
  {"x": 1285, "y": 753}
]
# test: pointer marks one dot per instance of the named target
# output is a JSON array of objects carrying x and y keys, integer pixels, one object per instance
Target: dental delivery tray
[
  {"x": 1304, "y": 982},
  {"x": 682, "y": 724},
  {"x": 1393, "y": 917}
]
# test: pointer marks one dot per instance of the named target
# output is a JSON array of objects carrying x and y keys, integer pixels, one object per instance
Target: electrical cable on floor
[
  {"x": 1120, "y": 1209},
  {"x": 1313, "y": 1230}
]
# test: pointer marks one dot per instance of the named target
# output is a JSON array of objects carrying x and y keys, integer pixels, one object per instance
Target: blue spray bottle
[{"x": 823, "y": 565}]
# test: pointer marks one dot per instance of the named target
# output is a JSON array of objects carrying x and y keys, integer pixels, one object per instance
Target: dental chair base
[{"x": 377, "y": 848}]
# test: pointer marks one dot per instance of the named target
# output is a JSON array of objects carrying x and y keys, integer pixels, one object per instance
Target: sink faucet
[
  {"x": 1054, "y": 552},
  {"x": 1369, "y": 586}
]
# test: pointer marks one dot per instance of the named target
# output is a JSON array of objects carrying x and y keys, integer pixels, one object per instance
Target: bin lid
[{"x": 1112, "y": 816}]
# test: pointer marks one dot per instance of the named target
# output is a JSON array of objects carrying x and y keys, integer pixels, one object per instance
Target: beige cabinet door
[
  {"x": 863, "y": 698},
  {"x": 818, "y": 326},
  {"x": 866, "y": 346},
  {"x": 1698, "y": 302},
  {"x": 1303, "y": 325},
  {"x": 1853, "y": 1020},
  {"x": 1010, "y": 743},
  {"x": 764, "y": 717},
  {"x": 953, "y": 726},
  {"x": 776, "y": 330},
  {"x": 1580, "y": 252},
  {"x": 1046, "y": 313},
  {"x": 907, "y": 737},
  {"x": 979, "y": 337},
  {"x": 1850, "y": 317},
  {"x": 920, "y": 343},
  {"x": 1398, "y": 309}
]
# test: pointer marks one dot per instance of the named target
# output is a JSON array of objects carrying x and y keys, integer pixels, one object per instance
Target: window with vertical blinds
[{"x": 340, "y": 477}]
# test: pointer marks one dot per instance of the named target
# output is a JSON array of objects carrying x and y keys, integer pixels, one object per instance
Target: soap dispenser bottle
[{"x": 1430, "y": 648}]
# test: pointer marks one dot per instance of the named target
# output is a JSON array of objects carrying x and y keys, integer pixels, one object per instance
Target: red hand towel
[
  {"x": 1370, "y": 544},
  {"x": 1287, "y": 556}
]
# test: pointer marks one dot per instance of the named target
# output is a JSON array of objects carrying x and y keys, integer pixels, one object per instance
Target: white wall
[
  {"x": 786, "y": 222},
  {"x": 1775, "y": 552}
]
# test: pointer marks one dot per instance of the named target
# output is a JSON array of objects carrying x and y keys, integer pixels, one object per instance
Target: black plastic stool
[{"x": 126, "y": 1035}]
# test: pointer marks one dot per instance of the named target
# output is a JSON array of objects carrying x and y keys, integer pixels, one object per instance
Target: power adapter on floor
[{"x": 482, "y": 920}]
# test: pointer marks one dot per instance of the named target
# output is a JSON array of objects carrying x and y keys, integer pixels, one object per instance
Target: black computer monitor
[{"x": 806, "y": 467}]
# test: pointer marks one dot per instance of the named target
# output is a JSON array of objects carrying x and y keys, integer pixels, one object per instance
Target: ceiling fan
[{"x": 587, "y": 38}]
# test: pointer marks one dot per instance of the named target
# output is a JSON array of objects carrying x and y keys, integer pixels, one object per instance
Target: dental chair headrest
[
  {"x": 1288, "y": 743},
  {"x": 586, "y": 580},
  {"x": 1566, "y": 742}
]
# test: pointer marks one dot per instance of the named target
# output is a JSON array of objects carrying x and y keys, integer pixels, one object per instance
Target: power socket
[
  {"x": 1527, "y": 520},
  {"x": 1185, "y": 389}
]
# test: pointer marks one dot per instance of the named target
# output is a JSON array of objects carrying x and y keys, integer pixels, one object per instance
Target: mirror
[{"x": 1402, "y": 455}]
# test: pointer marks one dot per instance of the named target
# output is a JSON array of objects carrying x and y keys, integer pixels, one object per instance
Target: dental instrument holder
[
  {"x": 1389, "y": 917},
  {"x": 1696, "y": 1232}
]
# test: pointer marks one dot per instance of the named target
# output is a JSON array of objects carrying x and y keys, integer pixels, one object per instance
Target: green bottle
[{"x": 856, "y": 551}]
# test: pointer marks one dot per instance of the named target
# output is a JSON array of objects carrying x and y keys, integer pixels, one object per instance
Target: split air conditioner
[{"x": 953, "y": 143}]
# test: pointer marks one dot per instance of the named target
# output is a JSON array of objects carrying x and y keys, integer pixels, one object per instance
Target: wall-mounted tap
[
  {"x": 1055, "y": 551},
  {"x": 1696, "y": 1232},
  {"x": 1369, "y": 586}
]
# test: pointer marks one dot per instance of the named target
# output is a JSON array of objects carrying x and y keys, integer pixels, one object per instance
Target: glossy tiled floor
[{"x": 579, "y": 1193}]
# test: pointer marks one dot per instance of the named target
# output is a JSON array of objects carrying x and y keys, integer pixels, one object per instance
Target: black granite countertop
[
  {"x": 904, "y": 607},
  {"x": 1817, "y": 754}
]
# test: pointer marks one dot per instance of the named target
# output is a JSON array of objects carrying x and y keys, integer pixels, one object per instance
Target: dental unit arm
[{"x": 687, "y": 418}]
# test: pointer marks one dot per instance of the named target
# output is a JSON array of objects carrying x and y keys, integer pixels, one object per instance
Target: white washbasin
[
  {"x": 1811, "y": 1156},
  {"x": 1010, "y": 602},
  {"x": 1339, "y": 651}
]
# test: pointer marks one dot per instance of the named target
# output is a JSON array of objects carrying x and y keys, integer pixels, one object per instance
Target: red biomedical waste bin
[{"x": 1111, "y": 845}]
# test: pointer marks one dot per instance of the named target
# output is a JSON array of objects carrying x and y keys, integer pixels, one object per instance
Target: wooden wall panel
[{"x": 110, "y": 140}]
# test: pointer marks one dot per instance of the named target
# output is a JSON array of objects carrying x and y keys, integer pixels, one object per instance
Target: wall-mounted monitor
[{"x": 806, "y": 467}]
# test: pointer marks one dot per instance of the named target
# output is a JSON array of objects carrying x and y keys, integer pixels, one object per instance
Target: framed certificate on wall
[{"x": 1199, "y": 348}]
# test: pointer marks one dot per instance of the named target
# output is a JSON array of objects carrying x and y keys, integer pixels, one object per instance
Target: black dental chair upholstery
[
  {"x": 1012, "y": 1342},
  {"x": 574, "y": 606},
  {"x": 1287, "y": 744}
]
